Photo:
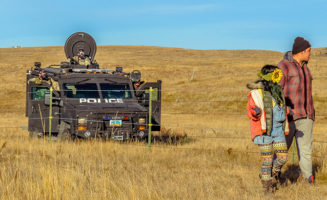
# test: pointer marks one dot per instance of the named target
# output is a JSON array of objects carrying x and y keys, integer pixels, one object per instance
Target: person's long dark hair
[{"x": 274, "y": 89}]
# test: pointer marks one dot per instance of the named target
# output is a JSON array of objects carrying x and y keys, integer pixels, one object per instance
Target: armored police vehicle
[{"x": 78, "y": 99}]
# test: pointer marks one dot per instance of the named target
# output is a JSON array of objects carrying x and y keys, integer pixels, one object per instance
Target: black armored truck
[{"x": 77, "y": 99}]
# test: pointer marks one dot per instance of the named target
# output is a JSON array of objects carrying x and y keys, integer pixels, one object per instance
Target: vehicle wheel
[
  {"x": 64, "y": 136},
  {"x": 106, "y": 136},
  {"x": 64, "y": 132}
]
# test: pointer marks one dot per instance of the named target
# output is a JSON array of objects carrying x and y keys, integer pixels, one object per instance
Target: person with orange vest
[{"x": 268, "y": 122}]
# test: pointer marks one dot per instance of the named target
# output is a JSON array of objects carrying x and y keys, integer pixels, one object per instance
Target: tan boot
[
  {"x": 268, "y": 188},
  {"x": 276, "y": 179}
]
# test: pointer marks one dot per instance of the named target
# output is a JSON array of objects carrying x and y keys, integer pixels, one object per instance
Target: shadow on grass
[
  {"x": 171, "y": 137},
  {"x": 293, "y": 173},
  {"x": 172, "y": 140},
  {"x": 165, "y": 136}
]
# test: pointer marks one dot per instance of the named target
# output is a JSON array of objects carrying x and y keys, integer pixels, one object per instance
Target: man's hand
[
  {"x": 257, "y": 110},
  {"x": 290, "y": 111}
]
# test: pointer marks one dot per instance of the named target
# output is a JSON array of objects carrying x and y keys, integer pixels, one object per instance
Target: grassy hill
[{"x": 204, "y": 96}]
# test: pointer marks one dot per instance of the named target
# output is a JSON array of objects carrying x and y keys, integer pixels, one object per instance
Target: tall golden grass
[{"x": 204, "y": 96}]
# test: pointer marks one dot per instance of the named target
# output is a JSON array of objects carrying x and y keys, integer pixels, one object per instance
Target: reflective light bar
[{"x": 93, "y": 70}]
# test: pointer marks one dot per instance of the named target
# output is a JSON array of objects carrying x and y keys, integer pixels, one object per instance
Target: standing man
[
  {"x": 81, "y": 58},
  {"x": 297, "y": 86}
]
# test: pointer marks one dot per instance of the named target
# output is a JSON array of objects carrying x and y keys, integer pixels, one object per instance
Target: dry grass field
[{"x": 217, "y": 160}]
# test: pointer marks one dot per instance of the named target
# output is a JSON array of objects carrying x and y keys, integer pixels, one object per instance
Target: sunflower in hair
[{"x": 276, "y": 76}]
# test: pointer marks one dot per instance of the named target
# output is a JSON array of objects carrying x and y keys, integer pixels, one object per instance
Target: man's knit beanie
[{"x": 300, "y": 44}]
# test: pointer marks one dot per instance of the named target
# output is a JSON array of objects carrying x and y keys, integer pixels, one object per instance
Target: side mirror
[
  {"x": 145, "y": 99},
  {"x": 55, "y": 101},
  {"x": 47, "y": 99},
  {"x": 61, "y": 103}
]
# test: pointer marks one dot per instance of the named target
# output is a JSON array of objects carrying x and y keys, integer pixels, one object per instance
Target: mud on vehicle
[{"x": 78, "y": 99}]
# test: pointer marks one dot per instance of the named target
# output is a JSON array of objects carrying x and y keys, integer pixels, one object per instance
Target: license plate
[
  {"x": 115, "y": 123},
  {"x": 118, "y": 137}
]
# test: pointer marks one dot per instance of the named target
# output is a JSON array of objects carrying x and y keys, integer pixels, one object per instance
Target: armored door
[
  {"x": 143, "y": 94},
  {"x": 36, "y": 110}
]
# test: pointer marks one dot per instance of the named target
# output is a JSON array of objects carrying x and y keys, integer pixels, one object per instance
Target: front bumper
[{"x": 101, "y": 126}]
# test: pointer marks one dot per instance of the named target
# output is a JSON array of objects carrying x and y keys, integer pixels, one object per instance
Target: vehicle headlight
[
  {"x": 81, "y": 120},
  {"x": 141, "y": 120}
]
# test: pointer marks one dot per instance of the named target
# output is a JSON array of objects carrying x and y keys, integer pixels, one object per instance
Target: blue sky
[{"x": 206, "y": 24}]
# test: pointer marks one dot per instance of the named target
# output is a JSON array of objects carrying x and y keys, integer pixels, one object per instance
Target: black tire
[{"x": 106, "y": 136}]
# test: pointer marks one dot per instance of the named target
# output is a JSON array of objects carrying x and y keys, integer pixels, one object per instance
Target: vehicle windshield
[
  {"x": 87, "y": 90},
  {"x": 115, "y": 91}
]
